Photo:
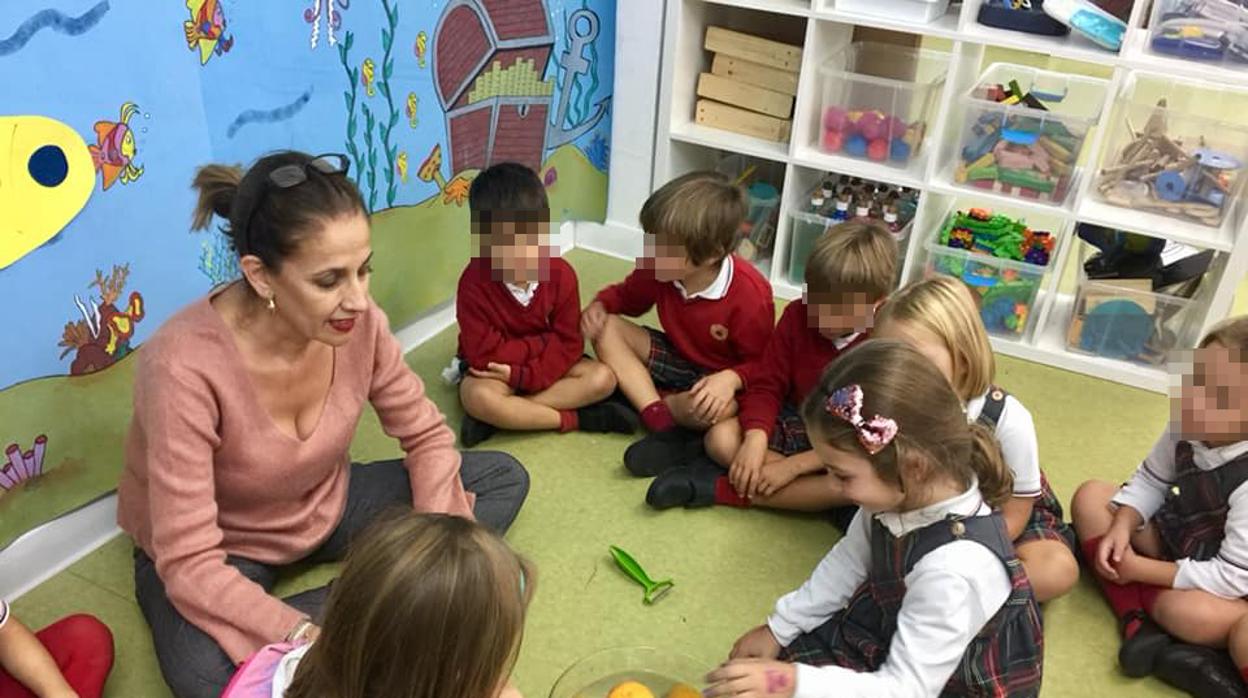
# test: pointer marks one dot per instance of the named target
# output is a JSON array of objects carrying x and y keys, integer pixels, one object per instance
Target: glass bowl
[{"x": 632, "y": 672}]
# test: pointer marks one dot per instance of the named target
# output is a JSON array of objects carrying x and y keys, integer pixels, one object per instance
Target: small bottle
[
  {"x": 890, "y": 219},
  {"x": 816, "y": 203},
  {"x": 840, "y": 211},
  {"x": 827, "y": 189},
  {"x": 862, "y": 207}
]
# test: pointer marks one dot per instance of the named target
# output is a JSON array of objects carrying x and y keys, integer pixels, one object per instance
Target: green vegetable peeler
[{"x": 654, "y": 590}]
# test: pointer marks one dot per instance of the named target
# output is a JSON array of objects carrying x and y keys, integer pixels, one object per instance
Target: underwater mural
[{"x": 95, "y": 198}]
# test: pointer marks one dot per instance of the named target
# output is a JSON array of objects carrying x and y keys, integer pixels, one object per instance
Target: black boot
[
  {"x": 607, "y": 417},
  {"x": 1200, "y": 671},
  {"x": 661, "y": 451},
  {"x": 1138, "y": 653},
  {"x": 473, "y": 431},
  {"x": 691, "y": 486}
]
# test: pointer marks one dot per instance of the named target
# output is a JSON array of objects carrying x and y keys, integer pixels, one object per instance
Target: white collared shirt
[
  {"x": 1225, "y": 574},
  {"x": 718, "y": 288},
  {"x": 845, "y": 340},
  {"x": 951, "y": 593},
  {"x": 522, "y": 294},
  {"x": 1016, "y": 434},
  {"x": 284, "y": 672}
]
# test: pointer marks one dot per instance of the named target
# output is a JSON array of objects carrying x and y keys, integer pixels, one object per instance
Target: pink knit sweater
[{"x": 209, "y": 474}]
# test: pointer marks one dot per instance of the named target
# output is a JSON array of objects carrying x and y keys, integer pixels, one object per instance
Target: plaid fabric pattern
[
  {"x": 671, "y": 372},
  {"x": 1046, "y": 522},
  {"x": 788, "y": 436},
  {"x": 1004, "y": 659},
  {"x": 1192, "y": 521}
]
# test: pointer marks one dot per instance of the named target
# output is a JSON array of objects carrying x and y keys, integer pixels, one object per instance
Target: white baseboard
[
  {"x": 43, "y": 552},
  {"x": 610, "y": 238}
]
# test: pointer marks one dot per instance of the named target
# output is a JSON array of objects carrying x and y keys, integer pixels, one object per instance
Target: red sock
[
  {"x": 568, "y": 421},
  {"x": 1123, "y": 598},
  {"x": 657, "y": 416},
  {"x": 726, "y": 495},
  {"x": 1148, "y": 596},
  {"x": 1243, "y": 672}
]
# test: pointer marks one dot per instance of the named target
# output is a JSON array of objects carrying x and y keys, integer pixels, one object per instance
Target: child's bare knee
[
  {"x": 1093, "y": 495},
  {"x": 1053, "y": 561},
  {"x": 477, "y": 397},
  {"x": 601, "y": 379}
]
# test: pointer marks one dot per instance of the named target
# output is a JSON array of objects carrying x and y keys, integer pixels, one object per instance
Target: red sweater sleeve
[
  {"x": 564, "y": 344},
  {"x": 180, "y": 415},
  {"x": 479, "y": 340},
  {"x": 770, "y": 376},
  {"x": 635, "y": 295},
  {"x": 407, "y": 414}
]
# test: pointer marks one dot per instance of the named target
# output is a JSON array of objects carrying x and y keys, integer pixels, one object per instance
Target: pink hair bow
[{"x": 874, "y": 434}]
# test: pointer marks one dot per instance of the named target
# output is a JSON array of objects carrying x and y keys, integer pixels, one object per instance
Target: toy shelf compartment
[
  {"x": 1021, "y": 151},
  {"x": 1009, "y": 291},
  {"x": 1209, "y": 32},
  {"x": 691, "y": 61},
  {"x": 1125, "y": 320},
  {"x": 879, "y": 102},
  {"x": 763, "y": 182},
  {"x": 1168, "y": 164}
]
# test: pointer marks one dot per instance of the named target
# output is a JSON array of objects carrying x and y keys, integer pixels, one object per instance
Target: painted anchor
[{"x": 575, "y": 64}]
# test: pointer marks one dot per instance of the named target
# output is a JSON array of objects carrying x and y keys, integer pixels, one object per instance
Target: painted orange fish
[
  {"x": 206, "y": 29},
  {"x": 115, "y": 148}
]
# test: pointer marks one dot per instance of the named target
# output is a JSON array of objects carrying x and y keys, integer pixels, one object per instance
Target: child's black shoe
[
  {"x": 1203, "y": 672},
  {"x": 661, "y": 451},
  {"x": 473, "y": 431},
  {"x": 1138, "y": 654},
  {"x": 691, "y": 486},
  {"x": 607, "y": 417}
]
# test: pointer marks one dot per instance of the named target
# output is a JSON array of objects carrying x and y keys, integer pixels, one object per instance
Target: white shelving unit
[{"x": 821, "y": 29}]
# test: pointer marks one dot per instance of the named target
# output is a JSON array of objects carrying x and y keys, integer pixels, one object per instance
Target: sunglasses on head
[{"x": 291, "y": 176}]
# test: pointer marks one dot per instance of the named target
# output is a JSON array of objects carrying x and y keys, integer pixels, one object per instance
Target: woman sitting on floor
[{"x": 245, "y": 405}]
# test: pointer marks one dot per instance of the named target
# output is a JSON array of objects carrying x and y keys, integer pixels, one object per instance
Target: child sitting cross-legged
[
  {"x": 518, "y": 309},
  {"x": 939, "y": 317},
  {"x": 765, "y": 448},
  {"x": 1170, "y": 548},
  {"x": 715, "y": 308},
  {"x": 924, "y": 595}
]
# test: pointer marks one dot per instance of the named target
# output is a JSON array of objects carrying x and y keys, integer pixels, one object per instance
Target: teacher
[{"x": 245, "y": 405}]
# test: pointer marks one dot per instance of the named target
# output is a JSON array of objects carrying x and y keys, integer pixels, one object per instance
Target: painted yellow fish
[
  {"x": 366, "y": 76},
  {"x": 413, "y": 102},
  {"x": 422, "y": 42},
  {"x": 206, "y": 29},
  {"x": 46, "y": 177},
  {"x": 400, "y": 163}
]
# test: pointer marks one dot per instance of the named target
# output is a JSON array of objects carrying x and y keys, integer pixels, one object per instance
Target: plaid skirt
[
  {"x": 788, "y": 435},
  {"x": 1046, "y": 522},
  {"x": 671, "y": 372}
]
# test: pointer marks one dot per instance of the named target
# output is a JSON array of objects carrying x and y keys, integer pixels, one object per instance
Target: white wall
[{"x": 638, "y": 44}]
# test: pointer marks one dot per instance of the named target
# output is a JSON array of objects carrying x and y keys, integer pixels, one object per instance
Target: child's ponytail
[{"x": 996, "y": 481}]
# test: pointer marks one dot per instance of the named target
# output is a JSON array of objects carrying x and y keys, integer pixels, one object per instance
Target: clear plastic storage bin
[
  {"x": 879, "y": 100},
  {"x": 1212, "y": 31},
  {"x": 1176, "y": 148},
  {"x": 1120, "y": 320},
  {"x": 1018, "y": 149},
  {"x": 1007, "y": 290},
  {"x": 806, "y": 229},
  {"x": 903, "y": 10}
]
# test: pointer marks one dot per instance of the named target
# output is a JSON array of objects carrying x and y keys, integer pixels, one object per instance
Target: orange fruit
[
  {"x": 630, "y": 689},
  {"x": 684, "y": 690}
]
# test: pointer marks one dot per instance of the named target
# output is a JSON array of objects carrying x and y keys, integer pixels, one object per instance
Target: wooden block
[
  {"x": 754, "y": 49},
  {"x": 737, "y": 120},
  {"x": 739, "y": 94},
  {"x": 754, "y": 74}
]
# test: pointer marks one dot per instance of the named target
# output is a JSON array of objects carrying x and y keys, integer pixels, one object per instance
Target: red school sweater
[
  {"x": 540, "y": 341},
  {"x": 714, "y": 334},
  {"x": 789, "y": 369}
]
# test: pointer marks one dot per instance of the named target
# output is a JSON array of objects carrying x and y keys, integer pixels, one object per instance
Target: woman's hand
[
  {"x": 753, "y": 678},
  {"x": 758, "y": 643}
]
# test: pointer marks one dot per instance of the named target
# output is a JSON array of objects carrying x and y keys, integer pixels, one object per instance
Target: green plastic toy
[{"x": 654, "y": 590}]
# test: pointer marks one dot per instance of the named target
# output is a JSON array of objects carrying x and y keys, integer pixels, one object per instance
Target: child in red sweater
[
  {"x": 765, "y": 448},
  {"x": 69, "y": 659},
  {"x": 715, "y": 308},
  {"x": 518, "y": 309}
]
